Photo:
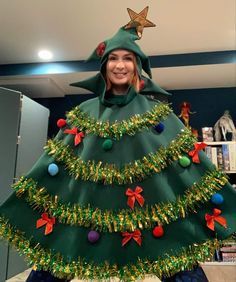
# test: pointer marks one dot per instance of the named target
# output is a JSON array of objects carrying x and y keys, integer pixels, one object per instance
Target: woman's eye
[
  {"x": 112, "y": 58},
  {"x": 128, "y": 58}
]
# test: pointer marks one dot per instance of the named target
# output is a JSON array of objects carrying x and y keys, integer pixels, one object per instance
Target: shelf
[
  {"x": 215, "y": 143},
  {"x": 222, "y": 154},
  {"x": 219, "y": 263}
]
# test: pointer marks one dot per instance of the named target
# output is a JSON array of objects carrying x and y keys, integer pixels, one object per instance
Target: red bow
[
  {"x": 78, "y": 135},
  {"x": 210, "y": 219},
  {"x": 46, "y": 220},
  {"x": 134, "y": 195},
  {"x": 136, "y": 235},
  {"x": 194, "y": 153}
]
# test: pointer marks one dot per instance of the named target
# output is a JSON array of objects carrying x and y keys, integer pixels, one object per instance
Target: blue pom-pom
[
  {"x": 159, "y": 127},
  {"x": 217, "y": 199},
  {"x": 53, "y": 169}
]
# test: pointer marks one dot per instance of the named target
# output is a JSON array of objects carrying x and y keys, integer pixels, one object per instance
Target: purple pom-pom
[
  {"x": 217, "y": 199},
  {"x": 93, "y": 236}
]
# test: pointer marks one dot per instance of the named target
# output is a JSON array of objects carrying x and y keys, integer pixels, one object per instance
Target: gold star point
[{"x": 139, "y": 21}]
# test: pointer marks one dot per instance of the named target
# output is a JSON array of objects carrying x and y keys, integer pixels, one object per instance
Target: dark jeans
[
  {"x": 195, "y": 275},
  {"x": 43, "y": 276}
]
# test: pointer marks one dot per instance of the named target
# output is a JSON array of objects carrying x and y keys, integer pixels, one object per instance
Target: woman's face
[{"x": 120, "y": 69}]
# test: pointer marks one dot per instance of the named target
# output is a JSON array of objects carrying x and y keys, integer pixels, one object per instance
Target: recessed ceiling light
[{"x": 45, "y": 55}]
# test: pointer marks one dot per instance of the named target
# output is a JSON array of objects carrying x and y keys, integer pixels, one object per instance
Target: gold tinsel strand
[
  {"x": 81, "y": 120},
  {"x": 125, "y": 219},
  {"x": 55, "y": 263},
  {"x": 128, "y": 173}
]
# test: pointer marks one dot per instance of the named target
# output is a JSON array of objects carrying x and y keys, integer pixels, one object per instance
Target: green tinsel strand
[
  {"x": 128, "y": 173},
  {"x": 125, "y": 219},
  {"x": 77, "y": 118},
  {"x": 56, "y": 264}
]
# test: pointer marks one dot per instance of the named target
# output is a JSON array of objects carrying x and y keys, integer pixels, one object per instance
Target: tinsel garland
[
  {"x": 129, "y": 173},
  {"x": 81, "y": 120},
  {"x": 55, "y": 263},
  {"x": 125, "y": 219}
]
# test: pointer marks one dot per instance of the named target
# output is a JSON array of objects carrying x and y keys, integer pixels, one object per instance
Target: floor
[
  {"x": 215, "y": 273},
  {"x": 22, "y": 277}
]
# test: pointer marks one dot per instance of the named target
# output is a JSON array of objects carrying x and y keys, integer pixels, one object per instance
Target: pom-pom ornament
[
  {"x": 217, "y": 199},
  {"x": 141, "y": 84},
  {"x": 158, "y": 231},
  {"x": 61, "y": 123},
  {"x": 184, "y": 161},
  {"x": 100, "y": 49},
  {"x": 93, "y": 236},
  {"x": 159, "y": 127},
  {"x": 53, "y": 169},
  {"x": 107, "y": 144}
]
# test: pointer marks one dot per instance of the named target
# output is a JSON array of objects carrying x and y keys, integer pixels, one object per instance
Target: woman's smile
[{"x": 120, "y": 69}]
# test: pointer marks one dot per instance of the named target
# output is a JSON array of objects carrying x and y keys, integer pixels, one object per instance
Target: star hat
[{"x": 124, "y": 39}]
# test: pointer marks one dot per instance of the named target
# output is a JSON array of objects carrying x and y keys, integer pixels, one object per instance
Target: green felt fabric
[
  {"x": 168, "y": 185},
  {"x": 97, "y": 85},
  {"x": 123, "y": 39}
]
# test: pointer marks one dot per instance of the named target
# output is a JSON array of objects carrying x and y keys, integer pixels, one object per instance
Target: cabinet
[{"x": 23, "y": 129}]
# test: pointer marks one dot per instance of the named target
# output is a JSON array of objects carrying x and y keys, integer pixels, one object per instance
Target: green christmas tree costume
[{"x": 124, "y": 190}]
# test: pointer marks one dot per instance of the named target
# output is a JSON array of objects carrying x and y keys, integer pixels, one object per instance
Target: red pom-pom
[
  {"x": 100, "y": 49},
  {"x": 141, "y": 85},
  {"x": 158, "y": 231},
  {"x": 61, "y": 122}
]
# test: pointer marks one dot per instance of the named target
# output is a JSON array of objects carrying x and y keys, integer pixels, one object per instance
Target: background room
[{"x": 192, "y": 52}]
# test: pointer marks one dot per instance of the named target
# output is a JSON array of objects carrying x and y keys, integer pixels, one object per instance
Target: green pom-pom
[
  {"x": 107, "y": 144},
  {"x": 184, "y": 161}
]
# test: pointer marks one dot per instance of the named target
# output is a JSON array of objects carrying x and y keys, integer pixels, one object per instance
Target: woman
[
  {"x": 120, "y": 73},
  {"x": 124, "y": 190}
]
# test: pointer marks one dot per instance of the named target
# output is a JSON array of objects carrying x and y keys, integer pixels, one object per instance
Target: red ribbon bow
[
  {"x": 46, "y": 220},
  {"x": 136, "y": 235},
  {"x": 210, "y": 219},
  {"x": 78, "y": 135},
  {"x": 133, "y": 196},
  {"x": 194, "y": 153}
]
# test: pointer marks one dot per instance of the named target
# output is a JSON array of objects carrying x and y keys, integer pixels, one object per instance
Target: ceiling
[{"x": 72, "y": 29}]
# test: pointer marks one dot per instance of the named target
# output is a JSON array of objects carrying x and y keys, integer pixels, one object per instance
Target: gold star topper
[{"x": 139, "y": 21}]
